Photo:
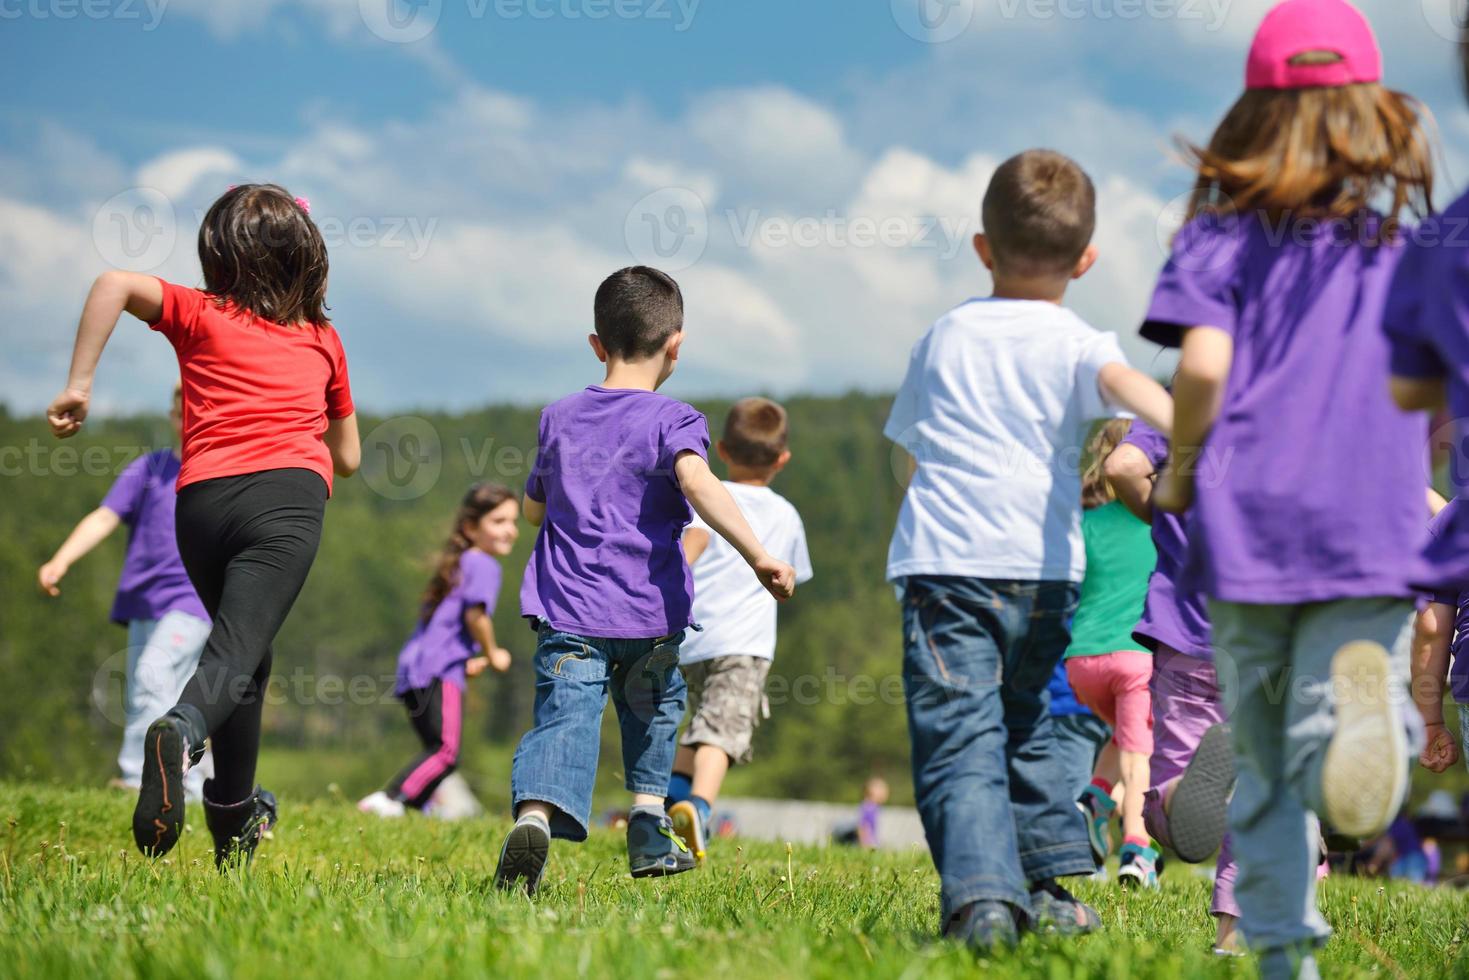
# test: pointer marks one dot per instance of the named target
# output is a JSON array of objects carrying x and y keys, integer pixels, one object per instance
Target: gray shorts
[{"x": 726, "y": 702}]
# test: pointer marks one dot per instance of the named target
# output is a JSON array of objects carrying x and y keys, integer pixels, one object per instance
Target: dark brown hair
[
  {"x": 1039, "y": 213},
  {"x": 1319, "y": 153},
  {"x": 478, "y": 501},
  {"x": 636, "y": 310},
  {"x": 262, "y": 254},
  {"x": 1095, "y": 490},
  {"x": 755, "y": 432}
]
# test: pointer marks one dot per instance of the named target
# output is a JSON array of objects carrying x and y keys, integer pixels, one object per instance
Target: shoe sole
[
  {"x": 1198, "y": 813},
  {"x": 1365, "y": 773},
  {"x": 158, "y": 819},
  {"x": 662, "y": 871},
  {"x": 690, "y": 829},
  {"x": 523, "y": 858}
]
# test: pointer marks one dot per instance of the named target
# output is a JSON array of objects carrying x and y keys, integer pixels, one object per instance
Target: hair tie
[{"x": 303, "y": 204}]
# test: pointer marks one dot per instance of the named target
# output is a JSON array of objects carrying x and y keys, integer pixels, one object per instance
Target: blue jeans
[
  {"x": 1079, "y": 740},
  {"x": 995, "y": 797},
  {"x": 556, "y": 761}
]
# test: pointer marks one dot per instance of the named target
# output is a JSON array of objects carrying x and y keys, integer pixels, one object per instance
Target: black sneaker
[
  {"x": 1198, "y": 812},
  {"x": 654, "y": 850},
  {"x": 523, "y": 856},
  {"x": 1054, "y": 909},
  {"x": 158, "y": 819},
  {"x": 238, "y": 828},
  {"x": 983, "y": 926}
]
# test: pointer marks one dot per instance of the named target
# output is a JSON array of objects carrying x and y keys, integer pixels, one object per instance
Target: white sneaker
[
  {"x": 382, "y": 805},
  {"x": 1365, "y": 775}
]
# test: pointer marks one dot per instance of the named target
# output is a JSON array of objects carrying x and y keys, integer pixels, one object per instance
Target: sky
[{"x": 809, "y": 170}]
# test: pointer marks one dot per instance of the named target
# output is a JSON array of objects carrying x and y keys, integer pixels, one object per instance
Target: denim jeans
[
  {"x": 1079, "y": 740},
  {"x": 995, "y": 796},
  {"x": 556, "y": 761},
  {"x": 162, "y": 655}
]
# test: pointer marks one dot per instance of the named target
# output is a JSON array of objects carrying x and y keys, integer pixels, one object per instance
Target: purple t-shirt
[
  {"x": 1442, "y": 525},
  {"x": 1427, "y": 322},
  {"x": 153, "y": 580},
  {"x": 1172, "y": 616},
  {"x": 439, "y": 647},
  {"x": 609, "y": 560},
  {"x": 1312, "y": 484}
]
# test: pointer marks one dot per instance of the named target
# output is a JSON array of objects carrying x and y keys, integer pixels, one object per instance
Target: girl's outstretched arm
[
  {"x": 112, "y": 293},
  {"x": 91, "y": 531},
  {"x": 1198, "y": 394}
]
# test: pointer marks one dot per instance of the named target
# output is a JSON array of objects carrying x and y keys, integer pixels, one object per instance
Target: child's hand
[
  {"x": 475, "y": 666},
  {"x": 778, "y": 578},
  {"x": 1440, "y": 750},
  {"x": 50, "y": 576},
  {"x": 499, "y": 659},
  {"x": 1174, "y": 492},
  {"x": 67, "y": 413}
]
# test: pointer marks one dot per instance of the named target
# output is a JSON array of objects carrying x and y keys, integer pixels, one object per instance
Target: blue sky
[{"x": 809, "y": 169}]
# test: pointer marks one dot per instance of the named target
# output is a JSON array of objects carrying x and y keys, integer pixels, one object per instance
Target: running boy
[
  {"x": 988, "y": 552},
  {"x": 607, "y": 587},
  {"x": 726, "y": 664}
]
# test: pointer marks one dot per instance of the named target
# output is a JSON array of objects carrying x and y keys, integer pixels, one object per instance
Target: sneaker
[
  {"x": 380, "y": 804},
  {"x": 1138, "y": 867},
  {"x": 1097, "y": 808},
  {"x": 983, "y": 926},
  {"x": 654, "y": 849},
  {"x": 1198, "y": 811},
  {"x": 238, "y": 828},
  {"x": 1054, "y": 909},
  {"x": 1365, "y": 774},
  {"x": 523, "y": 855},
  {"x": 689, "y": 826},
  {"x": 158, "y": 818}
]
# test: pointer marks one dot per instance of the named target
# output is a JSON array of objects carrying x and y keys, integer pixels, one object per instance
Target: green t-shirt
[{"x": 1119, "y": 559}]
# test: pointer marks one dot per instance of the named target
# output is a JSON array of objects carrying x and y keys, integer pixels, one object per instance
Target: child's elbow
[
  {"x": 1414, "y": 395},
  {"x": 347, "y": 462}
]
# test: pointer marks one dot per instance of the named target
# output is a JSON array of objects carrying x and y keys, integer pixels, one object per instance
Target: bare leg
[
  {"x": 710, "y": 767},
  {"x": 683, "y": 759},
  {"x": 1134, "y": 767},
  {"x": 1226, "y": 938},
  {"x": 1109, "y": 764}
]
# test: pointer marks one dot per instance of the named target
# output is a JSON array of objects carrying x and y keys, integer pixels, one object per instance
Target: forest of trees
[{"x": 836, "y": 697}]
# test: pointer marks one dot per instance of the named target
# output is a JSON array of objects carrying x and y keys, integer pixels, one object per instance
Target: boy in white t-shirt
[
  {"x": 726, "y": 664},
  {"x": 988, "y": 553}
]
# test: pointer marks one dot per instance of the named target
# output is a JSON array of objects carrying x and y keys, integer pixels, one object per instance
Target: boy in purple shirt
[
  {"x": 165, "y": 620},
  {"x": 607, "y": 587}
]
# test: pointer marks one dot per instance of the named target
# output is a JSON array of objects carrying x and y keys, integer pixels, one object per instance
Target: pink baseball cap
[{"x": 1297, "y": 26}]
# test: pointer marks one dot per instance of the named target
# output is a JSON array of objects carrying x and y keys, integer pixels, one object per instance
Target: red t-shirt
[{"x": 257, "y": 394}]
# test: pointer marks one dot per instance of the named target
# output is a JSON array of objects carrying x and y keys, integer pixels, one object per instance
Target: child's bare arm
[
  {"x": 482, "y": 630},
  {"x": 713, "y": 503},
  {"x": 1127, "y": 387},
  {"x": 1198, "y": 393},
  {"x": 1130, "y": 472},
  {"x": 89, "y": 532},
  {"x": 1418, "y": 394},
  {"x": 695, "y": 540},
  {"x": 1433, "y": 634},
  {"x": 345, "y": 445},
  {"x": 112, "y": 293},
  {"x": 1436, "y": 502},
  {"x": 534, "y": 511}
]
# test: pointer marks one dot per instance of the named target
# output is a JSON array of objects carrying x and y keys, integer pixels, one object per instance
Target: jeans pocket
[{"x": 952, "y": 646}]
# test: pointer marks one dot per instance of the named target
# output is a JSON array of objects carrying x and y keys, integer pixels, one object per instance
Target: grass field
[{"x": 339, "y": 895}]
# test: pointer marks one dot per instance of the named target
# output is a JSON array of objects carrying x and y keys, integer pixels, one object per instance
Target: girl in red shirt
[{"x": 268, "y": 419}]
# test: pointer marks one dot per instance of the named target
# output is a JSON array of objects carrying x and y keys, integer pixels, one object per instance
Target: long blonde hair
[{"x": 1095, "y": 490}]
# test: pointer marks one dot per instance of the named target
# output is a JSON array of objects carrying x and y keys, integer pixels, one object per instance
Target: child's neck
[
  {"x": 640, "y": 375},
  {"x": 749, "y": 476},
  {"x": 1046, "y": 289}
]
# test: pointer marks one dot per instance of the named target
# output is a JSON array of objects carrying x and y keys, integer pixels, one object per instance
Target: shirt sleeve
[
  {"x": 339, "y": 387},
  {"x": 479, "y": 579},
  {"x": 800, "y": 558},
  {"x": 125, "y": 499},
  {"x": 685, "y": 431},
  {"x": 903, "y": 416},
  {"x": 535, "y": 483},
  {"x": 1412, "y": 352},
  {"x": 1198, "y": 287},
  {"x": 1097, "y": 351},
  {"x": 1153, "y": 443},
  {"x": 179, "y": 320}
]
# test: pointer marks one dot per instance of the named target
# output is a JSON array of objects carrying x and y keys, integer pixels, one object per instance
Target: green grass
[{"x": 339, "y": 895}]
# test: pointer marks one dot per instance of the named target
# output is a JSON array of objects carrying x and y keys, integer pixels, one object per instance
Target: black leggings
[
  {"x": 247, "y": 543},
  {"x": 437, "y": 715}
]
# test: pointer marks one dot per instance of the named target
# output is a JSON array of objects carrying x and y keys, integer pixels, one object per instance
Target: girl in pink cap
[{"x": 1304, "y": 541}]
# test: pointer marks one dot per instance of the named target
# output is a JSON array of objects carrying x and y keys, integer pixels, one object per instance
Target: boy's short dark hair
[
  {"x": 755, "y": 432},
  {"x": 1039, "y": 213},
  {"x": 637, "y": 309}
]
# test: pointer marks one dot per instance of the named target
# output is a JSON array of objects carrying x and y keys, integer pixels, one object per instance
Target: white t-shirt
[
  {"x": 737, "y": 614},
  {"x": 996, "y": 407}
]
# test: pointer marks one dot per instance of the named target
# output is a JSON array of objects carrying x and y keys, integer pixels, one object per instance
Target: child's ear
[
  {"x": 674, "y": 343},
  {"x": 721, "y": 451},
  {"x": 780, "y": 461},
  {"x": 982, "y": 249},
  {"x": 1087, "y": 260},
  {"x": 597, "y": 347}
]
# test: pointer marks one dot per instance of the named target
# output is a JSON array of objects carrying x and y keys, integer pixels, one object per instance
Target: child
[
  {"x": 268, "y": 419},
  {"x": 1192, "y": 766},
  {"x": 166, "y": 623},
  {"x": 607, "y": 587},
  {"x": 1107, "y": 668},
  {"x": 453, "y": 625},
  {"x": 988, "y": 552},
  {"x": 725, "y": 665},
  {"x": 874, "y": 798},
  {"x": 1309, "y": 503}
]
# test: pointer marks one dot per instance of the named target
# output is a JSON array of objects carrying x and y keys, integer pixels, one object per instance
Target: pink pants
[{"x": 1115, "y": 686}]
